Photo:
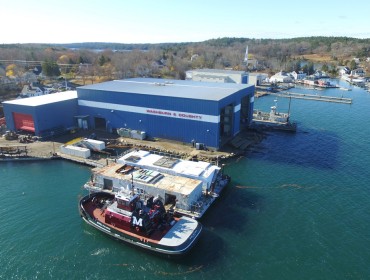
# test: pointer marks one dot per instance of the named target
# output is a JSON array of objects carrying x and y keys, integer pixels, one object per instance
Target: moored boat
[
  {"x": 273, "y": 119},
  {"x": 188, "y": 188},
  {"x": 143, "y": 224}
]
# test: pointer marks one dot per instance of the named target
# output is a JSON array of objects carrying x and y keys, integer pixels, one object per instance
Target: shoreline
[
  {"x": 43, "y": 151},
  {"x": 13, "y": 150}
]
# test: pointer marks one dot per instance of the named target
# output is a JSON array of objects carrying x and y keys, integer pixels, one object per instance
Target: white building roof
[
  {"x": 44, "y": 99},
  {"x": 210, "y": 91},
  {"x": 200, "y": 170},
  {"x": 168, "y": 182},
  {"x": 218, "y": 71}
]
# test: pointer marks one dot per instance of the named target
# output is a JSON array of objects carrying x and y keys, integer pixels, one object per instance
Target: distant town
[
  {"x": 32, "y": 69},
  {"x": 269, "y": 65}
]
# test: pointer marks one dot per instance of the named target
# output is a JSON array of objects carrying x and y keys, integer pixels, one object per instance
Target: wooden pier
[{"x": 314, "y": 97}]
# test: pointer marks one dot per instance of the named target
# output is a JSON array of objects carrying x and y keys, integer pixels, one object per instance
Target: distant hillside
[
  {"x": 116, "y": 46},
  {"x": 341, "y": 47},
  {"x": 312, "y": 42},
  {"x": 331, "y": 49},
  {"x": 93, "y": 62}
]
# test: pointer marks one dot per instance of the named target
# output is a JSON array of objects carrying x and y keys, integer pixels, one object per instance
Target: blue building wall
[
  {"x": 150, "y": 101},
  {"x": 46, "y": 117},
  {"x": 235, "y": 100},
  {"x": 251, "y": 107},
  {"x": 157, "y": 115},
  {"x": 161, "y": 126},
  {"x": 60, "y": 114},
  {"x": 245, "y": 79},
  {"x": 184, "y": 130}
]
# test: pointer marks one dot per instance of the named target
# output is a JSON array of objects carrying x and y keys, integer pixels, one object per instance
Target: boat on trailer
[
  {"x": 187, "y": 188},
  {"x": 145, "y": 224}
]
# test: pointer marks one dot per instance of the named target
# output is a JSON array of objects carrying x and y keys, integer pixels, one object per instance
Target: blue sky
[{"x": 159, "y": 21}]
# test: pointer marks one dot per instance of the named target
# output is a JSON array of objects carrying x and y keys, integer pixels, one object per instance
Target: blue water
[{"x": 298, "y": 207}]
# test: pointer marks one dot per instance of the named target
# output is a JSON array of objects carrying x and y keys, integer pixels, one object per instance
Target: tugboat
[
  {"x": 145, "y": 225},
  {"x": 187, "y": 188}
]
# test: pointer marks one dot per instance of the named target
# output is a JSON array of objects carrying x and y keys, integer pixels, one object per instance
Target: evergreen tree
[
  {"x": 311, "y": 68},
  {"x": 50, "y": 68},
  {"x": 305, "y": 69},
  {"x": 102, "y": 60},
  {"x": 297, "y": 66},
  {"x": 325, "y": 67}
]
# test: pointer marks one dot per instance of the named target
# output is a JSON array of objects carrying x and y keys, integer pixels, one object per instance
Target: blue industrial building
[
  {"x": 45, "y": 115},
  {"x": 186, "y": 111}
]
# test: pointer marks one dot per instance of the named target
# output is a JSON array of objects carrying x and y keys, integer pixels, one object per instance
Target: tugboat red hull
[{"x": 175, "y": 238}]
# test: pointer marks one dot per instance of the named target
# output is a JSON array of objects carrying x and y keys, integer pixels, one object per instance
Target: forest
[{"x": 86, "y": 63}]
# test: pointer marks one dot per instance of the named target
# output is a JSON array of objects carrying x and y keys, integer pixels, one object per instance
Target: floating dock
[
  {"x": 13, "y": 151},
  {"x": 314, "y": 97}
]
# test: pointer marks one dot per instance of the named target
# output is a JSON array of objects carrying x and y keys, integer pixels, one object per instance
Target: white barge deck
[{"x": 185, "y": 187}]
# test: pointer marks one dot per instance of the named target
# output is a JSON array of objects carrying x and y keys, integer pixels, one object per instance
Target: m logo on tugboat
[{"x": 137, "y": 222}]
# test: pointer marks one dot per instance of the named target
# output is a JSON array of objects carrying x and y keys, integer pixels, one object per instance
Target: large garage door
[
  {"x": 24, "y": 122},
  {"x": 100, "y": 123}
]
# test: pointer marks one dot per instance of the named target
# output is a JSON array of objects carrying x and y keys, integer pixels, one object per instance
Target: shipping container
[
  {"x": 94, "y": 145},
  {"x": 75, "y": 151}
]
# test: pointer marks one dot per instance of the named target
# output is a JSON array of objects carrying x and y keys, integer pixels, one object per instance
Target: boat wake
[
  {"x": 247, "y": 187},
  {"x": 98, "y": 252},
  {"x": 190, "y": 270},
  {"x": 293, "y": 186},
  {"x": 88, "y": 232}
]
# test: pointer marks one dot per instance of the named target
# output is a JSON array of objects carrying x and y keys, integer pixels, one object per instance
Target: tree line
[{"x": 97, "y": 62}]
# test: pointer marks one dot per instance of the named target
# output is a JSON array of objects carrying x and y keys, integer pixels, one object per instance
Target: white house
[
  {"x": 299, "y": 76},
  {"x": 320, "y": 74},
  {"x": 281, "y": 77},
  {"x": 359, "y": 72},
  {"x": 344, "y": 70},
  {"x": 34, "y": 89}
]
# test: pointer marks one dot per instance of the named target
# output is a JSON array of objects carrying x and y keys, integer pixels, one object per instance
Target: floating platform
[
  {"x": 314, "y": 97},
  {"x": 282, "y": 126},
  {"x": 13, "y": 151}
]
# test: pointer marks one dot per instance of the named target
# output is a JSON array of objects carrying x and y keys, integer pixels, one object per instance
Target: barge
[{"x": 186, "y": 188}]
